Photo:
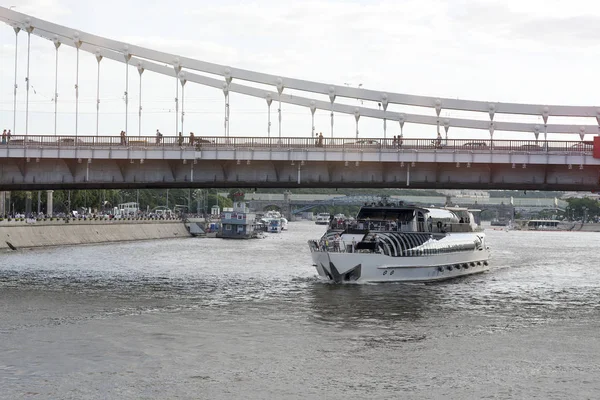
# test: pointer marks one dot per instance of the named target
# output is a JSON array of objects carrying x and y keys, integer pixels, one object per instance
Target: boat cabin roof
[{"x": 402, "y": 212}]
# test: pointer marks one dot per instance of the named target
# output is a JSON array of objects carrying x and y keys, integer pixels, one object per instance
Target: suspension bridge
[{"x": 549, "y": 155}]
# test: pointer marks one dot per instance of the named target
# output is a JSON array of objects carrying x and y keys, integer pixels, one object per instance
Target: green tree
[{"x": 580, "y": 208}]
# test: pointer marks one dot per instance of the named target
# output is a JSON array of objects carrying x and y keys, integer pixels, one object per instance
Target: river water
[{"x": 217, "y": 319}]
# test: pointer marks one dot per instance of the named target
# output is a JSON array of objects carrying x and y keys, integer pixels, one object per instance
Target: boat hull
[{"x": 369, "y": 267}]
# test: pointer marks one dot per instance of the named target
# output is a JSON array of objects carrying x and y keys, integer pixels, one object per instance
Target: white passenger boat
[{"x": 391, "y": 243}]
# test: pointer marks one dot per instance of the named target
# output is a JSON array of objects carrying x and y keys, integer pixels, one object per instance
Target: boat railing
[{"x": 369, "y": 246}]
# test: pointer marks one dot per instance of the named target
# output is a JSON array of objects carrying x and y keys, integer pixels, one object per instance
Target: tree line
[{"x": 99, "y": 200}]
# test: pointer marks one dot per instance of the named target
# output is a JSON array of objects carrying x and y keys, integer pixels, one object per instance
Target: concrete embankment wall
[
  {"x": 57, "y": 233},
  {"x": 587, "y": 227}
]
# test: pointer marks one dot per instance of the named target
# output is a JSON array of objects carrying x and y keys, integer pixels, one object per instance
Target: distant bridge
[{"x": 303, "y": 202}]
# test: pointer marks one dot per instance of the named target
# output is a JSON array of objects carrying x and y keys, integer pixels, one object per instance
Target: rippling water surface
[{"x": 217, "y": 319}]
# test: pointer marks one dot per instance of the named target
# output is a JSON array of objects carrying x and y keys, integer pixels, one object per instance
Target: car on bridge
[
  {"x": 583, "y": 146},
  {"x": 530, "y": 147},
  {"x": 363, "y": 143},
  {"x": 69, "y": 141},
  {"x": 475, "y": 145},
  {"x": 202, "y": 142},
  {"x": 23, "y": 142}
]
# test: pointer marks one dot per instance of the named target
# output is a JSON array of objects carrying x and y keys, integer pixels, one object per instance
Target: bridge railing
[{"x": 332, "y": 144}]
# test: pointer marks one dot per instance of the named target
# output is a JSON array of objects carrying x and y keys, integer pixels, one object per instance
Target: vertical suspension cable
[
  {"x": 228, "y": 78},
  {"x": 313, "y": 109},
  {"x": 77, "y": 96},
  {"x": 183, "y": 81},
  {"x": 56, "y": 45},
  {"x": 332, "y": 119},
  {"x": 279, "y": 111},
  {"x": 280, "y": 88},
  {"x": 269, "y": 101},
  {"x": 176, "y": 104},
  {"x": 228, "y": 113},
  {"x": 98, "y": 58},
  {"x": 27, "y": 82},
  {"x": 127, "y": 58},
  {"x": 225, "y": 117},
  {"x": 16, "y": 86},
  {"x": 269, "y": 118},
  {"x": 226, "y": 110},
  {"x": 141, "y": 71},
  {"x": 177, "y": 67},
  {"x": 77, "y": 45},
  {"x": 126, "y": 96}
]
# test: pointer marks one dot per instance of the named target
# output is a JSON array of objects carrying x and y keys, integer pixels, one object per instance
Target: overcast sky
[{"x": 526, "y": 51}]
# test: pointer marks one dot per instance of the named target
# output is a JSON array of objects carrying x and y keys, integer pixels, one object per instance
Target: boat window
[{"x": 386, "y": 214}]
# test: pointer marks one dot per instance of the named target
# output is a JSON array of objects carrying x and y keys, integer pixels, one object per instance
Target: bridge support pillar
[
  {"x": 28, "y": 201},
  {"x": 448, "y": 201},
  {"x": 49, "y": 205},
  {"x": 287, "y": 209},
  {"x": 2, "y": 204}
]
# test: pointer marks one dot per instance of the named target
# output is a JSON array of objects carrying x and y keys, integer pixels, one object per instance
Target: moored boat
[
  {"x": 545, "y": 225},
  {"x": 397, "y": 242},
  {"x": 322, "y": 219},
  {"x": 284, "y": 224},
  {"x": 274, "y": 222},
  {"x": 239, "y": 223}
]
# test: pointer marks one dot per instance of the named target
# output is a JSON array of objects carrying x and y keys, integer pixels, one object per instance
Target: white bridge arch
[{"x": 185, "y": 69}]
